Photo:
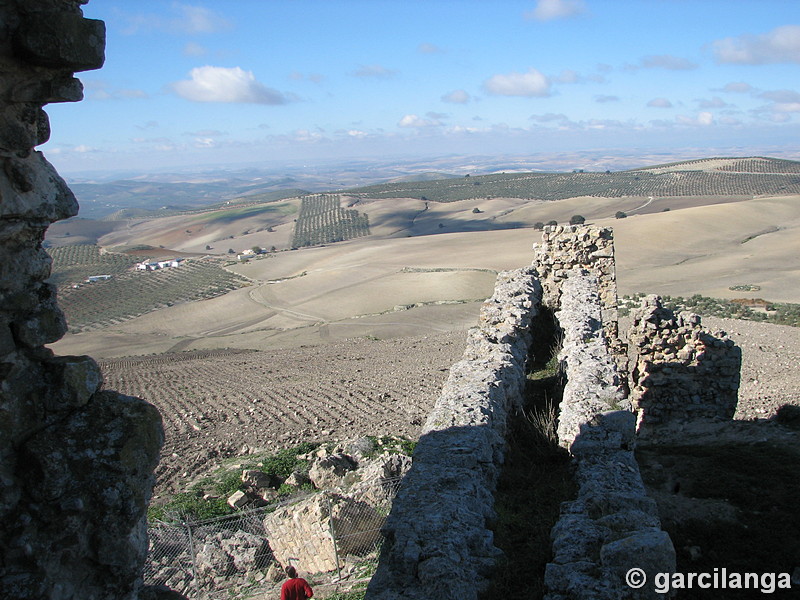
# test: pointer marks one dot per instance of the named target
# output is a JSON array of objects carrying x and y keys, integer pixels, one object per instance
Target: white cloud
[
  {"x": 374, "y": 72},
  {"x": 356, "y": 133},
  {"x": 197, "y": 19},
  {"x": 781, "y": 45},
  {"x": 530, "y": 84},
  {"x": 549, "y": 117},
  {"x": 660, "y": 103},
  {"x": 194, "y": 49},
  {"x": 604, "y": 99},
  {"x": 738, "y": 87},
  {"x": 550, "y": 10},
  {"x": 220, "y": 84},
  {"x": 426, "y": 48},
  {"x": 456, "y": 97},
  {"x": 416, "y": 122},
  {"x": 715, "y": 102},
  {"x": 312, "y": 77},
  {"x": 97, "y": 89},
  {"x": 703, "y": 119},
  {"x": 781, "y": 96},
  {"x": 667, "y": 61},
  {"x": 212, "y": 133},
  {"x": 187, "y": 19},
  {"x": 568, "y": 76}
]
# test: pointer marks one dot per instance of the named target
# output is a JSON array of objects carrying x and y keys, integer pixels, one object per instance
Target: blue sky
[{"x": 190, "y": 83}]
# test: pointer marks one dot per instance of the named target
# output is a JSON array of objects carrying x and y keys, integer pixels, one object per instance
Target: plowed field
[{"x": 214, "y": 403}]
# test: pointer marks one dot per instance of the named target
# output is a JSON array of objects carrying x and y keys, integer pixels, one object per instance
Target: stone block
[{"x": 61, "y": 40}]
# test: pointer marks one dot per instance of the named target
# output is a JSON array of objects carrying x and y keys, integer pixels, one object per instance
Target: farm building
[
  {"x": 94, "y": 278},
  {"x": 161, "y": 264}
]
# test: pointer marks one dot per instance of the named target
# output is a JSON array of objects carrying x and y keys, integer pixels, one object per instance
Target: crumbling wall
[
  {"x": 680, "y": 372},
  {"x": 594, "y": 384},
  {"x": 612, "y": 526},
  {"x": 438, "y": 541},
  {"x": 566, "y": 247},
  {"x": 76, "y": 464}
]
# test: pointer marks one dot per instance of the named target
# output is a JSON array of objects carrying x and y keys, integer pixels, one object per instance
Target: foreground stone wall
[
  {"x": 680, "y": 372},
  {"x": 76, "y": 464},
  {"x": 612, "y": 526},
  {"x": 438, "y": 541}
]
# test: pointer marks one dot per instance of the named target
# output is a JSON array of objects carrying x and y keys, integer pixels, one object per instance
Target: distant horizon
[
  {"x": 454, "y": 164},
  {"x": 195, "y": 82}
]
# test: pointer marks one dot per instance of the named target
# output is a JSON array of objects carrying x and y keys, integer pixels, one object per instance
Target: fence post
[
  {"x": 187, "y": 523},
  {"x": 333, "y": 538}
]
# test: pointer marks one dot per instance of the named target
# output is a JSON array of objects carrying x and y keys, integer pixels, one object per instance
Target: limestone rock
[
  {"x": 301, "y": 533},
  {"x": 327, "y": 472}
]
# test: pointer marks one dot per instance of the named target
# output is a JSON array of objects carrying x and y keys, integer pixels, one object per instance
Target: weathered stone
[
  {"x": 257, "y": 480},
  {"x": 76, "y": 464},
  {"x": 301, "y": 533},
  {"x": 61, "y": 40},
  {"x": 297, "y": 479},
  {"x": 438, "y": 544},
  {"x": 327, "y": 473},
  {"x": 238, "y": 499},
  {"x": 692, "y": 375}
]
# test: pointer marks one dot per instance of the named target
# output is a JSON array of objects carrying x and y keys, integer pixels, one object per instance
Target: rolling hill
[{"x": 425, "y": 265}]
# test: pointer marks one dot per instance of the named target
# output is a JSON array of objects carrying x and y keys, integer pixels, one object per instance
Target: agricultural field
[
  {"x": 130, "y": 293},
  {"x": 726, "y": 177},
  {"x": 216, "y": 402},
  {"x": 322, "y": 220},
  {"x": 74, "y": 264}
]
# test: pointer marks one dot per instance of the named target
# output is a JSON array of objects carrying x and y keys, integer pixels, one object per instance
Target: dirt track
[{"x": 216, "y": 402}]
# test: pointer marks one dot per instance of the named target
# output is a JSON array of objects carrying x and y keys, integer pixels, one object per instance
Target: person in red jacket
[{"x": 295, "y": 588}]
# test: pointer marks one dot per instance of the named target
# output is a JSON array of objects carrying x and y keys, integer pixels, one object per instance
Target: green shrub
[{"x": 189, "y": 505}]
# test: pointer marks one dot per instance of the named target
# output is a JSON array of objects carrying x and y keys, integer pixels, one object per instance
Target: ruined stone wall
[
  {"x": 565, "y": 247},
  {"x": 612, "y": 526},
  {"x": 679, "y": 372},
  {"x": 439, "y": 544},
  {"x": 76, "y": 464}
]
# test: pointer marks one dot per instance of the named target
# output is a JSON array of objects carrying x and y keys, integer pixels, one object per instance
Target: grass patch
[
  {"x": 759, "y": 481},
  {"x": 778, "y": 313},
  {"x": 536, "y": 479},
  {"x": 207, "y": 498},
  {"x": 390, "y": 444}
]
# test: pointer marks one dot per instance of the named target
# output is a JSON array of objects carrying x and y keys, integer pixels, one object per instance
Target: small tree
[
  {"x": 552, "y": 222},
  {"x": 577, "y": 220},
  {"x": 256, "y": 249},
  {"x": 620, "y": 215},
  {"x": 208, "y": 247},
  {"x": 538, "y": 225},
  {"x": 231, "y": 251},
  {"x": 476, "y": 210}
]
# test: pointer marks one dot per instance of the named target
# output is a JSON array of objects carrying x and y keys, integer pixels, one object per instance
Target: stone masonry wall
[
  {"x": 680, "y": 372},
  {"x": 612, "y": 526},
  {"x": 76, "y": 464},
  {"x": 438, "y": 542}
]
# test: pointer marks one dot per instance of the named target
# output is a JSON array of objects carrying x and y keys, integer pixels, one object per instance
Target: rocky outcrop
[
  {"x": 76, "y": 464},
  {"x": 438, "y": 541}
]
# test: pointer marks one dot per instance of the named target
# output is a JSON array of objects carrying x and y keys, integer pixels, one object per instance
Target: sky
[{"x": 195, "y": 83}]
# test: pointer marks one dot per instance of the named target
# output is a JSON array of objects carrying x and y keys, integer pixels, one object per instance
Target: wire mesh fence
[{"x": 333, "y": 539}]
